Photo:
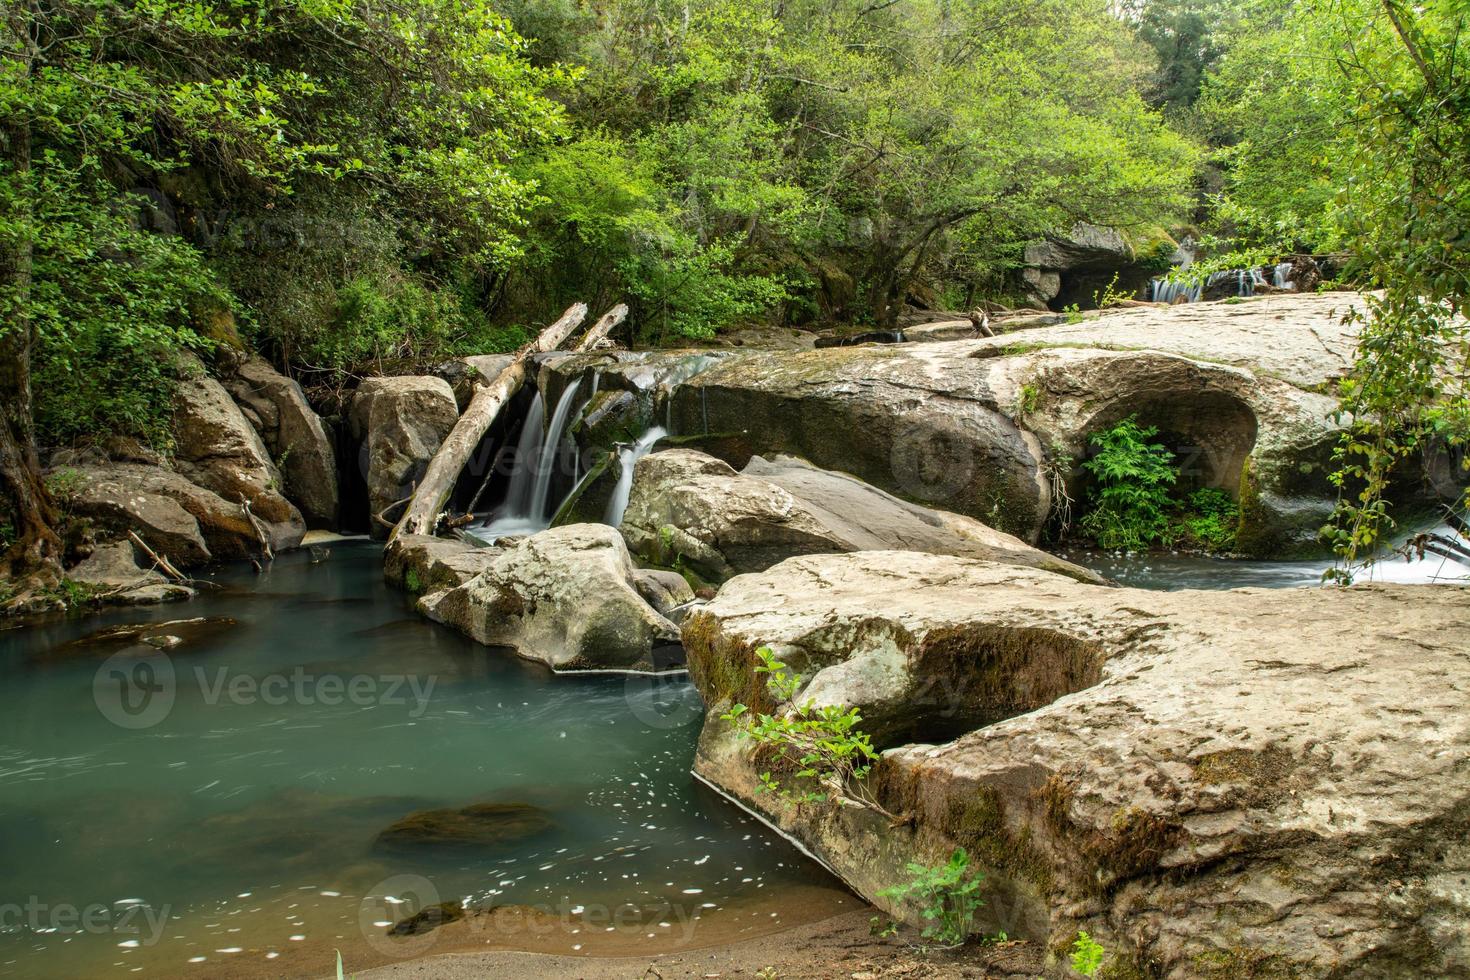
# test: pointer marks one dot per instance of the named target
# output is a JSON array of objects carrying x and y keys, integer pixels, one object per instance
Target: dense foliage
[
  {"x": 1134, "y": 501},
  {"x": 352, "y": 185}
]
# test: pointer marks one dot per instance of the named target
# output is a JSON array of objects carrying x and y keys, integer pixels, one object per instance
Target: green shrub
[
  {"x": 1210, "y": 520},
  {"x": 1131, "y": 505},
  {"x": 948, "y": 894},
  {"x": 828, "y": 754},
  {"x": 1087, "y": 955}
]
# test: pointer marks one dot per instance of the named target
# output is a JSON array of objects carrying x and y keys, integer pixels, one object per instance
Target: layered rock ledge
[
  {"x": 692, "y": 511},
  {"x": 995, "y": 428},
  {"x": 1215, "y": 784}
]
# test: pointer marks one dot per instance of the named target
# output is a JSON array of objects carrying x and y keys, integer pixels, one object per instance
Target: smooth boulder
[
  {"x": 689, "y": 509},
  {"x": 1213, "y": 784},
  {"x": 295, "y": 436},
  {"x": 566, "y": 597},
  {"x": 400, "y": 423},
  {"x": 218, "y": 449}
]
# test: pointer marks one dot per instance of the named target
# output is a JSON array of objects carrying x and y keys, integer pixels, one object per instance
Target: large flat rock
[
  {"x": 1215, "y": 784},
  {"x": 690, "y": 510}
]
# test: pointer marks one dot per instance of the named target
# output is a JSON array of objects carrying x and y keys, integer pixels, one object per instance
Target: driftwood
[
  {"x": 444, "y": 469},
  {"x": 159, "y": 561},
  {"x": 604, "y": 326},
  {"x": 260, "y": 529}
]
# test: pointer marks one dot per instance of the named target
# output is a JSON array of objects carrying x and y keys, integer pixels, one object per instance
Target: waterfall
[
  {"x": 546, "y": 463},
  {"x": 525, "y": 511},
  {"x": 627, "y": 459},
  {"x": 523, "y": 471},
  {"x": 1247, "y": 281},
  {"x": 528, "y": 505},
  {"x": 1281, "y": 276}
]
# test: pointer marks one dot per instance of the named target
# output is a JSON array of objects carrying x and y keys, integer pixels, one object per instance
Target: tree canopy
[{"x": 352, "y": 185}]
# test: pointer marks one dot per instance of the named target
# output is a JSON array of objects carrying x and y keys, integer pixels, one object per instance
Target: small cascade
[
  {"x": 523, "y": 476},
  {"x": 530, "y": 505},
  {"x": 627, "y": 459},
  {"x": 1165, "y": 289},
  {"x": 525, "y": 510},
  {"x": 546, "y": 462},
  {"x": 1281, "y": 275}
]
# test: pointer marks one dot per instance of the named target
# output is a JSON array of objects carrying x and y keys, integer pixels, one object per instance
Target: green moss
[
  {"x": 721, "y": 670},
  {"x": 1253, "y": 534},
  {"x": 1244, "y": 963},
  {"x": 1269, "y": 766},
  {"x": 976, "y": 823}
]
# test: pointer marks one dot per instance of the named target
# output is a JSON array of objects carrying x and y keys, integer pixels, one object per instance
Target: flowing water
[
  {"x": 627, "y": 459},
  {"x": 1170, "y": 571},
  {"x": 1166, "y": 289},
  {"x": 217, "y": 813}
]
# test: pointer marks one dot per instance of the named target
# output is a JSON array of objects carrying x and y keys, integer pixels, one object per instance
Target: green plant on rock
[
  {"x": 1074, "y": 313},
  {"x": 1131, "y": 502},
  {"x": 1087, "y": 955},
  {"x": 1110, "y": 295},
  {"x": 821, "y": 748},
  {"x": 948, "y": 895}
]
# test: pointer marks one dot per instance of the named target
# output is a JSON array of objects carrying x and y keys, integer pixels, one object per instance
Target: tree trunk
[
  {"x": 37, "y": 547},
  {"x": 444, "y": 469}
]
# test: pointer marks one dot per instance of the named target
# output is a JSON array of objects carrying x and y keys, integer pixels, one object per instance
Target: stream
[
  {"x": 215, "y": 810},
  {"x": 233, "y": 832}
]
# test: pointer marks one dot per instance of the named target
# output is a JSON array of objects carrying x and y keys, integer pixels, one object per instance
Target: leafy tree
[{"x": 145, "y": 144}]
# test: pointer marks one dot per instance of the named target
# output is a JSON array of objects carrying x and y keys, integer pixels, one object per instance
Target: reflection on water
[
  {"x": 1173, "y": 570},
  {"x": 214, "y": 792}
]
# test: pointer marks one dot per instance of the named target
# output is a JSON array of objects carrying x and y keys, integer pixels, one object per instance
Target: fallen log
[{"x": 444, "y": 469}]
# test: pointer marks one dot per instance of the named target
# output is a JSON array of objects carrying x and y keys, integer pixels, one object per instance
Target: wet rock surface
[{"x": 1215, "y": 784}]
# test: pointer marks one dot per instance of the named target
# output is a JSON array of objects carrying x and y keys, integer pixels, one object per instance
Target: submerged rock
[
  {"x": 170, "y": 634},
  {"x": 401, "y": 422},
  {"x": 481, "y": 826},
  {"x": 427, "y": 920},
  {"x": 692, "y": 510},
  {"x": 1214, "y": 784},
  {"x": 567, "y": 597}
]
